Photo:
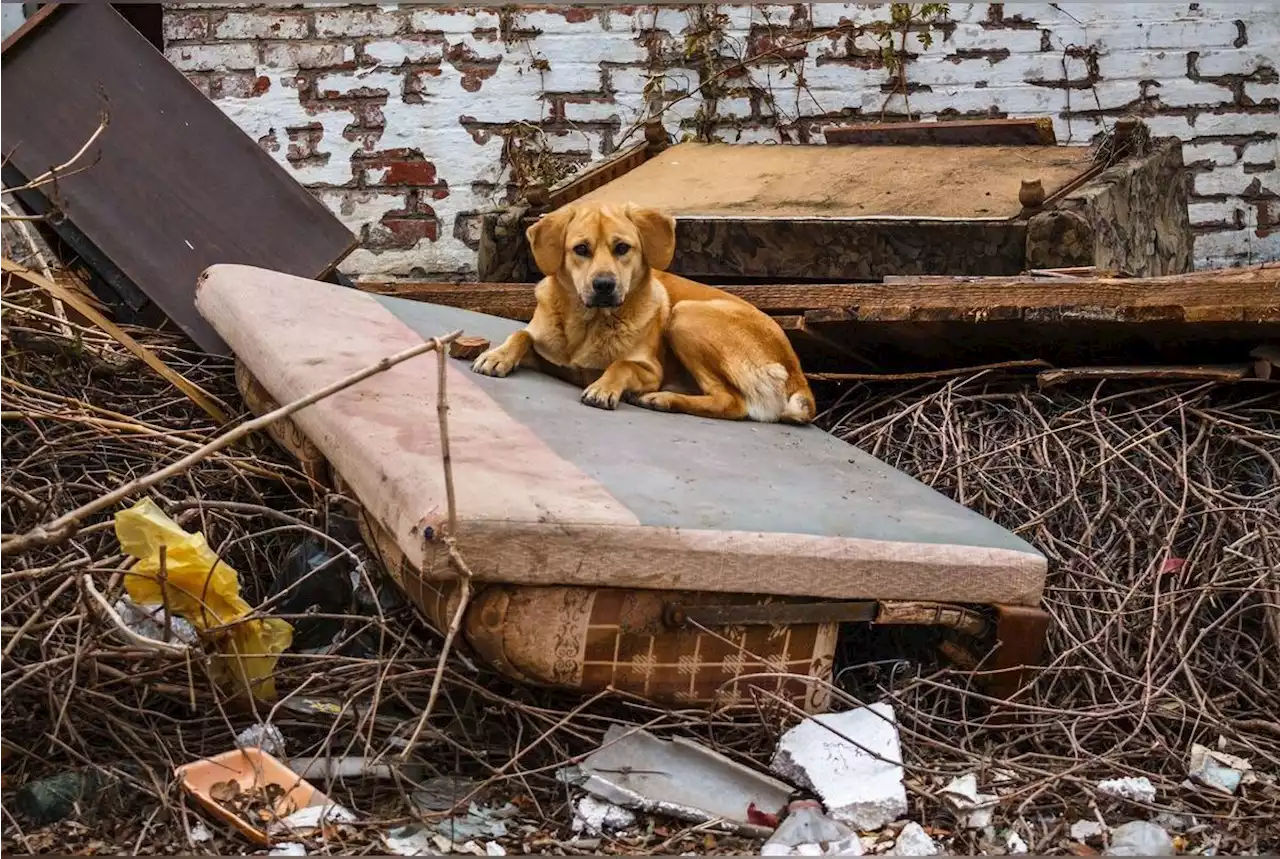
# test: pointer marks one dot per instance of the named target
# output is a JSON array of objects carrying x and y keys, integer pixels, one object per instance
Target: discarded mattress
[{"x": 584, "y": 519}]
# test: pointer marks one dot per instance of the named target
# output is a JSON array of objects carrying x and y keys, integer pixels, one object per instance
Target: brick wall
[{"x": 408, "y": 120}]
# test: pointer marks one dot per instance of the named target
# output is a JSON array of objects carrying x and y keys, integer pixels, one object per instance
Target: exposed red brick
[
  {"x": 402, "y": 233},
  {"x": 576, "y": 14},
  {"x": 261, "y": 84},
  {"x": 474, "y": 68}
]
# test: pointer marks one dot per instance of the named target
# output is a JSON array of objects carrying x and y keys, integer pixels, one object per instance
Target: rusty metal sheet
[{"x": 177, "y": 186}]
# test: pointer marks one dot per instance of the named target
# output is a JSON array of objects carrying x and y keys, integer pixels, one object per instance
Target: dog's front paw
[
  {"x": 493, "y": 363},
  {"x": 601, "y": 397},
  {"x": 658, "y": 401}
]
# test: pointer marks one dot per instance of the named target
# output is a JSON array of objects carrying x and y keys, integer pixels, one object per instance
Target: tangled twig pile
[{"x": 1158, "y": 508}]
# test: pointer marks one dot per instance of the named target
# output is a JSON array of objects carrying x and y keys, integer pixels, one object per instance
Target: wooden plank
[
  {"x": 516, "y": 300},
  {"x": 968, "y": 132},
  {"x": 593, "y": 177},
  {"x": 176, "y": 187}
]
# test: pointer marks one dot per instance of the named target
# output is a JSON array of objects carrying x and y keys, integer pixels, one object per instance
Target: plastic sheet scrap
[{"x": 206, "y": 592}]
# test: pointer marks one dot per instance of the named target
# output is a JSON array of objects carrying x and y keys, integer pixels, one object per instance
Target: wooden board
[
  {"x": 178, "y": 186},
  {"x": 758, "y": 181},
  {"x": 972, "y": 132}
]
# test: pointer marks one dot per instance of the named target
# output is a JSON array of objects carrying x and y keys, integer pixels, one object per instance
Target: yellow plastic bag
[{"x": 203, "y": 590}]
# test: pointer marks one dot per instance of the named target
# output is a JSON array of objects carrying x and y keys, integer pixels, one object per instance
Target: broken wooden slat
[
  {"x": 1227, "y": 373},
  {"x": 969, "y": 132},
  {"x": 1266, "y": 361}
]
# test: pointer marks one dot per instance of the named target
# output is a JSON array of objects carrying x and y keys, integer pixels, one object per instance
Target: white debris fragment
[
  {"x": 1140, "y": 838},
  {"x": 313, "y": 817},
  {"x": 493, "y": 848},
  {"x": 288, "y": 848},
  {"x": 595, "y": 816},
  {"x": 914, "y": 841},
  {"x": 1139, "y": 789},
  {"x": 806, "y": 829},
  {"x": 410, "y": 840},
  {"x": 852, "y": 760},
  {"x": 265, "y": 737},
  {"x": 149, "y": 621},
  {"x": 1014, "y": 845},
  {"x": 1083, "y": 830},
  {"x": 1217, "y": 770},
  {"x": 200, "y": 833},
  {"x": 974, "y": 810}
]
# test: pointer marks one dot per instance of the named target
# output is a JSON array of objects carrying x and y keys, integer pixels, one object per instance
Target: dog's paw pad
[
  {"x": 489, "y": 364},
  {"x": 656, "y": 401},
  {"x": 599, "y": 399}
]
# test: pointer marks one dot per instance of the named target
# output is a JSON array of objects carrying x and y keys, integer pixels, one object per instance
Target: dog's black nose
[{"x": 603, "y": 284}]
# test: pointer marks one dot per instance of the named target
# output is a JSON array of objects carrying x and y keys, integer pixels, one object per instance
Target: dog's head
[{"x": 603, "y": 252}]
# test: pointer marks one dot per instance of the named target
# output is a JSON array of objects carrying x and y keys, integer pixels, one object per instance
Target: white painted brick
[
  {"x": 567, "y": 75},
  {"x": 1231, "y": 181},
  {"x": 600, "y": 47},
  {"x": 1180, "y": 92},
  {"x": 1262, "y": 152},
  {"x": 1223, "y": 249},
  {"x": 1052, "y": 66},
  {"x": 1219, "y": 124},
  {"x": 1020, "y": 99},
  {"x": 1269, "y": 181},
  {"x": 933, "y": 71},
  {"x": 306, "y": 55},
  {"x": 344, "y": 83},
  {"x": 261, "y": 24},
  {"x": 346, "y": 22},
  {"x": 1199, "y": 34},
  {"x": 1173, "y": 126},
  {"x": 590, "y": 112},
  {"x": 827, "y": 15},
  {"x": 978, "y": 38},
  {"x": 1239, "y": 61},
  {"x": 1258, "y": 93},
  {"x": 394, "y": 52},
  {"x": 559, "y": 21},
  {"x": 1143, "y": 65},
  {"x": 203, "y": 58},
  {"x": 833, "y": 77},
  {"x": 1213, "y": 213},
  {"x": 431, "y": 20},
  {"x": 1220, "y": 154},
  {"x": 758, "y": 134},
  {"x": 1106, "y": 95},
  {"x": 1264, "y": 29},
  {"x": 576, "y": 140},
  {"x": 736, "y": 108}
]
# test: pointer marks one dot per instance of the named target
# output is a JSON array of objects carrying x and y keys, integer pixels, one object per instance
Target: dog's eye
[
  {"x": 582, "y": 250},
  {"x": 621, "y": 248}
]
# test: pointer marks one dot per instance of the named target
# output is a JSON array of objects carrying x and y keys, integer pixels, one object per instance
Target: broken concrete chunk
[
  {"x": 807, "y": 829},
  {"x": 1140, "y": 838},
  {"x": 852, "y": 760},
  {"x": 596, "y": 817},
  {"x": 1138, "y": 789},
  {"x": 914, "y": 841},
  {"x": 974, "y": 810},
  {"x": 1083, "y": 830},
  {"x": 1217, "y": 770}
]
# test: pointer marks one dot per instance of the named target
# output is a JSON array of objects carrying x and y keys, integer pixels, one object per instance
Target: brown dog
[{"x": 608, "y": 310}]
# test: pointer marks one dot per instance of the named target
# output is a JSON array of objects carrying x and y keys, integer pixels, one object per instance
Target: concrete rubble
[
  {"x": 1138, "y": 789},
  {"x": 974, "y": 810},
  {"x": 914, "y": 841},
  {"x": 852, "y": 760},
  {"x": 1140, "y": 838}
]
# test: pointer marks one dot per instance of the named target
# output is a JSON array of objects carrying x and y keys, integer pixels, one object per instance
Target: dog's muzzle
[{"x": 604, "y": 291}]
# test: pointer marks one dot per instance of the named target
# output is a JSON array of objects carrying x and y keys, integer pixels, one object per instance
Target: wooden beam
[
  {"x": 969, "y": 132},
  {"x": 516, "y": 301},
  {"x": 1224, "y": 374},
  {"x": 1249, "y": 294}
]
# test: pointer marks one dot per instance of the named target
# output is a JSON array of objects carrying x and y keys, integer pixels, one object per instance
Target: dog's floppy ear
[
  {"x": 657, "y": 235},
  {"x": 546, "y": 238}
]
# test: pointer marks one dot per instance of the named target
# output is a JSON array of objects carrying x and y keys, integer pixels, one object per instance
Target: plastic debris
[
  {"x": 1140, "y": 838},
  {"x": 1217, "y": 770},
  {"x": 852, "y": 760},
  {"x": 200, "y": 833},
  {"x": 288, "y": 848},
  {"x": 1083, "y": 830},
  {"x": 56, "y": 797},
  {"x": 596, "y": 817},
  {"x": 914, "y": 841},
  {"x": 1014, "y": 844},
  {"x": 1139, "y": 789},
  {"x": 149, "y": 621},
  {"x": 317, "y": 578},
  {"x": 808, "y": 831},
  {"x": 265, "y": 737},
  {"x": 493, "y": 848},
  {"x": 321, "y": 768},
  {"x": 973, "y": 810},
  {"x": 206, "y": 592},
  {"x": 677, "y": 778},
  {"x": 476, "y": 823},
  {"x": 410, "y": 840}
]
